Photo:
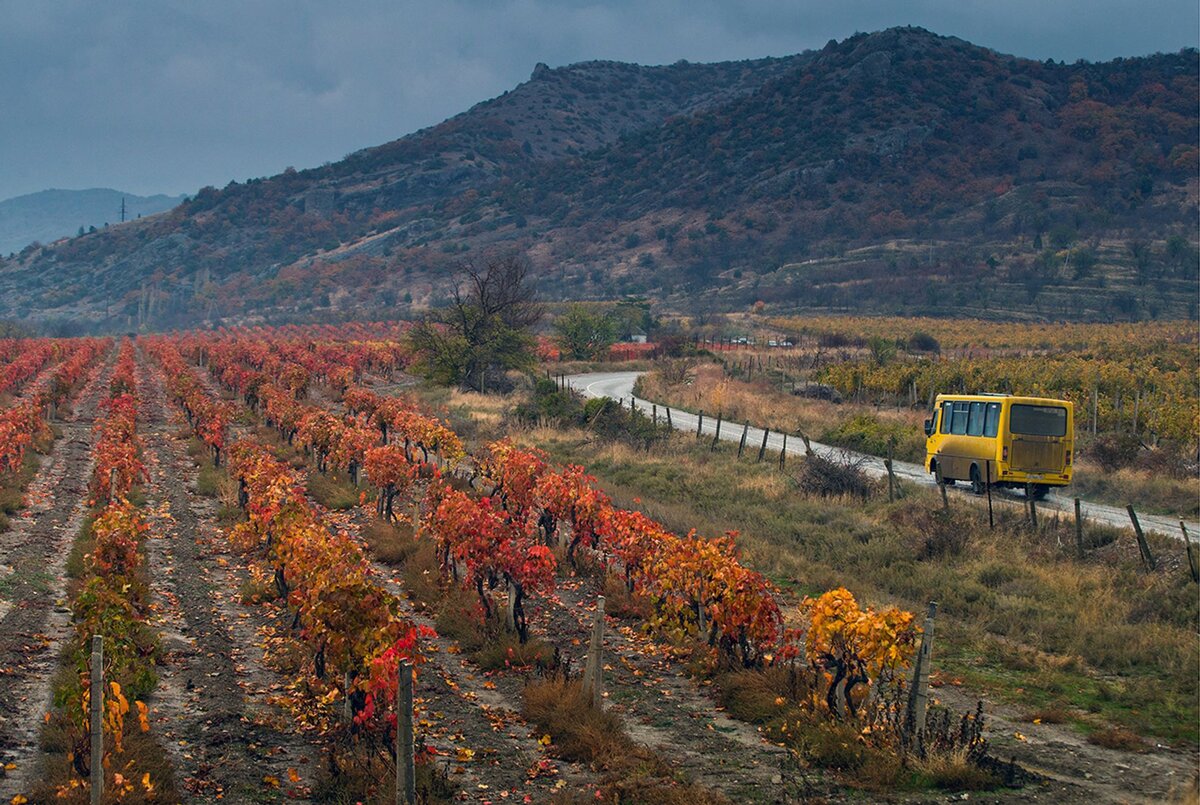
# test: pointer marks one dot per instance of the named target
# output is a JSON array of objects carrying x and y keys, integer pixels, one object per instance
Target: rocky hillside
[{"x": 891, "y": 171}]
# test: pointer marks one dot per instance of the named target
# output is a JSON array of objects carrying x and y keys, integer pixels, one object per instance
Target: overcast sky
[{"x": 167, "y": 96}]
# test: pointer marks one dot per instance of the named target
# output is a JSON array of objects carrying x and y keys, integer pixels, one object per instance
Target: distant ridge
[{"x": 48, "y": 215}]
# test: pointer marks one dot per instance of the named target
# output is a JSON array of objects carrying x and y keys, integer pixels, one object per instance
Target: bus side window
[
  {"x": 945, "y": 423},
  {"x": 975, "y": 420},
  {"x": 959, "y": 424},
  {"x": 992, "y": 423}
]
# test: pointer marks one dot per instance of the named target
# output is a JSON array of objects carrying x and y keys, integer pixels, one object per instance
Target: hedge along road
[{"x": 619, "y": 386}]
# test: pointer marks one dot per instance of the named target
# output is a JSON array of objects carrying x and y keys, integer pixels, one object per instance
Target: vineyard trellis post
[
  {"x": 593, "y": 673},
  {"x": 96, "y": 708},
  {"x": 918, "y": 697},
  {"x": 406, "y": 793},
  {"x": 1143, "y": 546}
]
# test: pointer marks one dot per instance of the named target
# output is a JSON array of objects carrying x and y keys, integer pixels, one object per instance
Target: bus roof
[{"x": 1010, "y": 398}]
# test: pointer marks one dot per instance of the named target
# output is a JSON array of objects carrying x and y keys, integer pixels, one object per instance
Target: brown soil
[
  {"x": 227, "y": 740},
  {"x": 33, "y": 582}
]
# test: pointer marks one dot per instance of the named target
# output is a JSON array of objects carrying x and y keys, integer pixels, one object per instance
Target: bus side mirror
[{"x": 928, "y": 427}]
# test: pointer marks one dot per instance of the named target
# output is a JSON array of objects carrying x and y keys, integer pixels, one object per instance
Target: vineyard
[{"x": 266, "y": 527}]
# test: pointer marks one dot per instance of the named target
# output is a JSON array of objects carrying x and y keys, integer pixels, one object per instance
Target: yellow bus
[{"x": 1017, "y": 442}]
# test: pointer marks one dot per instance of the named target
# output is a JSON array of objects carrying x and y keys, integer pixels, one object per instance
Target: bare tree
[{"x": 486, "y": 327}]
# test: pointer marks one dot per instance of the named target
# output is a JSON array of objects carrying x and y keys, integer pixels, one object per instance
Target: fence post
[
  {"x": 1078, "y": 531},
  {"x": 941, "y": 482},
  {"x": 1193, "y": 566},
  {"x": 717, "y": 437},
  {"x": 762, "y": 450},
  {"x": 593, "y": 674},
  {"x": 97, "y": 719},
  {"x": 988, "y": 487},
  {"x": 1031, "y": 504},
  {"x": 1143, "y": 546},
  {"x": 406, "y": 790},
  {"x": 742, "y": 443},
  {"x": 918, "y": 697},
  {"x": 654, "y": 413},
  {"x": 670, "y": 424},
  {"x": 783, "y": 451},
  {"x": 700, "y": 423},
  {"x": 887, "y": 462}
]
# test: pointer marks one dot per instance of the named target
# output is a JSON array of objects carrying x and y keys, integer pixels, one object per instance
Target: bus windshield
[{"x": 1038, "y": 420}]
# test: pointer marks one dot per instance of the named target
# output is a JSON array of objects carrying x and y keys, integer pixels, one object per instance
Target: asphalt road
[{"x": 619, "y": 386}]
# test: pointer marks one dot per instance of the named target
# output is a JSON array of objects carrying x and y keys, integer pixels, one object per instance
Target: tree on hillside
[
  {"x": 485, "y": 327},
  {"x": 585, "y": 333}
]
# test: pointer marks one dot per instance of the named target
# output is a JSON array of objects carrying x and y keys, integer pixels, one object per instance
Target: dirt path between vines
[
  {"x": 33, "y": 580},
  {"x": 227, "y": 740},
  {"x": 661, "y": 707}
]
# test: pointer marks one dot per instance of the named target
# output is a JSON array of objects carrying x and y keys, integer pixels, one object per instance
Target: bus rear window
[{"x": 1038, "y": 420}]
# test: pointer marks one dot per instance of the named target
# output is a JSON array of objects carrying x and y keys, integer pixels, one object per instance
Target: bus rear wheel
[
  {"x": 977, "y": 485},
  {"x": 1037, "y": 491}
]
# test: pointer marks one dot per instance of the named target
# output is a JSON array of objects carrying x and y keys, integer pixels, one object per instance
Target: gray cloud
[{"x": 169, "y": 95}]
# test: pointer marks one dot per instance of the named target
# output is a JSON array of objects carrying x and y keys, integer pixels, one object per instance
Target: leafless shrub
[{"x": 833, "y": 477}]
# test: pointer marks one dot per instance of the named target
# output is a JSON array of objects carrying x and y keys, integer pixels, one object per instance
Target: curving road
[{"x": 619, "y": 386}]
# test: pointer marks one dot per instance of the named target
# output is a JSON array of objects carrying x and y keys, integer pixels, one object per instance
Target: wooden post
[
  {"x": 406, "y": 791},
  {"x": 783, "y": 451},
  {"x": 1032, "y": 507},
  {"x": 510, "y": 615},
  {"x": 700, "y": 423},
  {"x": 918, "y": 701},
  {"x": 717, "y": 437},
  {"x": 941, "y": 482},
  {"x": 762, "y": 450},
  {"x": 670, "y": 424},
  {"x": 97, "y": 719},
  {"x": 654, "y": 413},
  {"x": 991, "y": 517},
  {"x": 1193, "y": 565},
  {"x": 1143, "y": 546},
  {"x": 887, "y": 462},
  {"x": 742, "y": 443},
  {"x": 593, "y": 674},
  {"x": 1078, "y": 530}
]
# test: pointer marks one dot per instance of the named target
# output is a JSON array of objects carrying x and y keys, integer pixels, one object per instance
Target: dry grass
[
  {"x": 580, "y": 733},
  {"x": 390, "y": 543},
  {"x": 1118, "y": 738},
  {"x": 763, "y": 403}
]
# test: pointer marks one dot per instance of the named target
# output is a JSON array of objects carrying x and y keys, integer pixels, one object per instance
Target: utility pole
[{"x": 122, "y": 209}]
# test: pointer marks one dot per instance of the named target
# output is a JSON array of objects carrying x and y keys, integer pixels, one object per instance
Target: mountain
[
  {"x": 898, "y": 171},
  {"x": 48, "y": 215}
]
